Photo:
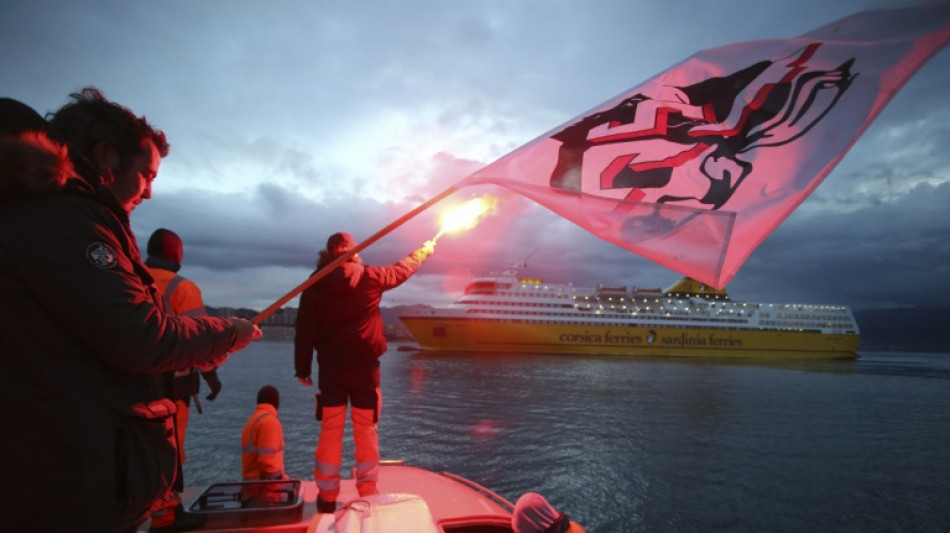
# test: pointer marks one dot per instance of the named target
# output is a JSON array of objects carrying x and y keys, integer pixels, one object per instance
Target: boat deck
[{"x": 455, "y": 505}]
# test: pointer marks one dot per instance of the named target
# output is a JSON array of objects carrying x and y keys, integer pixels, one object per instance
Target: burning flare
[{"x": 465, "y": 216}]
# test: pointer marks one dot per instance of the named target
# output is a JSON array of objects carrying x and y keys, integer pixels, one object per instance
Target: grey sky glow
[{"x": 291, "y": 120}]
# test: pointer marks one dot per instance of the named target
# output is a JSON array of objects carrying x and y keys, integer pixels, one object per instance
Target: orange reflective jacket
[
  {"x": 181, "y": 293},
  {"x": 262, "y": 444}
]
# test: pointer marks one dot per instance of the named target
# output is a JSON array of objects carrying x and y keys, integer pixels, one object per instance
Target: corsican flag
[{"x": 694, "y": 168}]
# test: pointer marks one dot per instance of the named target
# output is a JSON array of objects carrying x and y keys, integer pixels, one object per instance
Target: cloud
[{"x": 292, "y": 121}]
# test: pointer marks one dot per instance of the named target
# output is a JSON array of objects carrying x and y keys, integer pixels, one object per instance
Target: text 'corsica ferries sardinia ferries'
[{"x": 507, "y": 313}]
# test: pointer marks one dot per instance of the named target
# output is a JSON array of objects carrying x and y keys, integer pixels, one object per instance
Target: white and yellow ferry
[{"x": 507, "y": 313}]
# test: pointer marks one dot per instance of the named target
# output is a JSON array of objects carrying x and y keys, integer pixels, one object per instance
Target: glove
[{"x": 215, "y": 389}]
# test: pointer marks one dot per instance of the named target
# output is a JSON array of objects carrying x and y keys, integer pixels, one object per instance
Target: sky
[{"x": 291, "y": 120}]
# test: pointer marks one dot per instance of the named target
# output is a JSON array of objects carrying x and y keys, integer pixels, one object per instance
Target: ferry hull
[{"x": 457, "y": 334}]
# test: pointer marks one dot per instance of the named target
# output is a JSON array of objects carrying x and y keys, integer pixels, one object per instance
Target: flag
[{"x": 694, "y": 168}]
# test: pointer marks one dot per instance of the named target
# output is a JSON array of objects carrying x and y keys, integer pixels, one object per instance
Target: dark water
[{"x": 630, "y": 444}]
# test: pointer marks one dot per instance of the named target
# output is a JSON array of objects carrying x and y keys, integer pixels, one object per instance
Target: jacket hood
[
  {"x": 342, "y": 280},
  {"x": 32, "y": 164}
]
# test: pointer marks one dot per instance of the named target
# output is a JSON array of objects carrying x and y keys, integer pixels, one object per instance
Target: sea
[{"x": 631, "y": 444}]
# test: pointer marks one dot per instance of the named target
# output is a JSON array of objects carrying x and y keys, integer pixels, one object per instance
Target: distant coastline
[{"x": 917, "y": 329}]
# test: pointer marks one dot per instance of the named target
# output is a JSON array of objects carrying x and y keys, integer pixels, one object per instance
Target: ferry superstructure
[{"x": 508, "y": 313}]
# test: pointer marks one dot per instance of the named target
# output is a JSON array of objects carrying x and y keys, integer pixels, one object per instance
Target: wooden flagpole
[{"x": 355, "y": 250}]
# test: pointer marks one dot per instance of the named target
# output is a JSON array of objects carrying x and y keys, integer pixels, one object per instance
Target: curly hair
[{"x": 91, "y": 119}]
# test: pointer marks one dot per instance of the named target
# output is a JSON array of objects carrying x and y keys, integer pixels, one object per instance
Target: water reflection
[
  {"x": 932, "y": 365},
  {"x": 629, "y": 444}
]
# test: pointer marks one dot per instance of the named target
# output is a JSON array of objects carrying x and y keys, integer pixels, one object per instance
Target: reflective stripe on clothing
[
  {"x": 188, "y": 303},
  {"x": 262, "y": 445},
  {"x": 366, "y": 441},
  {"x": 180, "y": 295},
  {"x": 329, "y": 453},
  {"x": 249, "y": 447},
  {"x": 328, "y": 456},
  {"x": 169, "y": 290}
]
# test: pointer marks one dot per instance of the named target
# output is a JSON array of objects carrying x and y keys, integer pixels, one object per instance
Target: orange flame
[{"x": 467, "y": 215}]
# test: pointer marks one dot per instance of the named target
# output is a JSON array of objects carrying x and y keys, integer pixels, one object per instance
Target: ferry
[{"x": 508, "y": 313}]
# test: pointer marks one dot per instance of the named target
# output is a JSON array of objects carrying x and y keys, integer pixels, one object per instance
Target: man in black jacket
[
  {"x": 87, "y": 347},
  {"x": 339, "y": 318}
]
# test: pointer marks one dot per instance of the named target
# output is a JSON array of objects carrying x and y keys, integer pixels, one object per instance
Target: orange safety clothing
[
  {"x": 182, "y": 297},
  {"x": 328, "y": 456},
  {"x": 262, "y": 445},
  {"x": 181, "y": 293},
  {"x": 339, "y": 318}
]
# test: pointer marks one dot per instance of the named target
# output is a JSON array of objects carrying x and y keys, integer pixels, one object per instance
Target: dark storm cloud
[
  {"x": 294, "y": 120},
  {"x": 888, "y": 254}
]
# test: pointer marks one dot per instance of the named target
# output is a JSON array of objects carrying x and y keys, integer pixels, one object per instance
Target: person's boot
[
  {"x": 325, "y": 506},
  {"x": 182, "y": 521},
  {"x": 367, "y": 488}
]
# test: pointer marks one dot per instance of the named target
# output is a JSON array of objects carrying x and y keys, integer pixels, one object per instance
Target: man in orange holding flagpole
[{"x": 339, "y": 318}]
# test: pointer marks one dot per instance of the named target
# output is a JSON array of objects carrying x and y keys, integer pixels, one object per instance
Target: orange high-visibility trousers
[
  {"x": 181, "y": 417},
  {"x": 163, "y": 513},
  {"x": 328, "y": 456},
  {"x": 366, "y": 441}
]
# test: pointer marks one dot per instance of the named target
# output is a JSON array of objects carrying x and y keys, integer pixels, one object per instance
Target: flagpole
[{"x": 353, "y": 251}]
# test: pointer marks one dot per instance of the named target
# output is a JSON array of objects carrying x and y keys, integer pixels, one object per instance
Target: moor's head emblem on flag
[
  {"x": 691, "y": 145},
  {"x": 695, "y": 167}
]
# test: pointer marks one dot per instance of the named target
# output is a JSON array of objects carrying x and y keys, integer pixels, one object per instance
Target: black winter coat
[
  {"x": 339, "y": 315},
  {"x": 84, "y": 353}
]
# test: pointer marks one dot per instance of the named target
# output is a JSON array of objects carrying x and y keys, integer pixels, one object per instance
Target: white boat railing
[{"x": 488, "y": 493}]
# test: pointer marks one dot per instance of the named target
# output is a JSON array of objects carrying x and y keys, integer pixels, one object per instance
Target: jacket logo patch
[{"x": 101, "y": 255}]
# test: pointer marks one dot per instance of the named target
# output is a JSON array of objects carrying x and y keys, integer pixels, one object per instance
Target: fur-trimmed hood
[{"x": 32, "y": 164}]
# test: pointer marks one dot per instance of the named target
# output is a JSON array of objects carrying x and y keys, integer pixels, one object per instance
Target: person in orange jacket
[
  {"x": 262, "y": 440},
  {"x": 181, "y": 297}
]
